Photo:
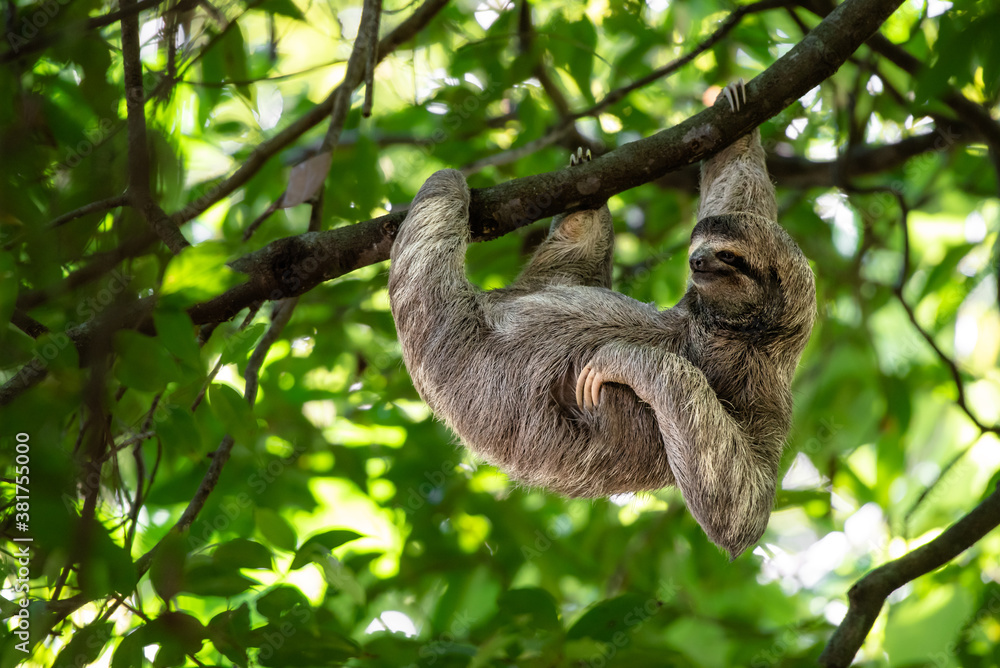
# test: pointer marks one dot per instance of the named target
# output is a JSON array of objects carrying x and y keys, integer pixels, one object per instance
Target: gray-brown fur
[{"x": 696, "y": 395}]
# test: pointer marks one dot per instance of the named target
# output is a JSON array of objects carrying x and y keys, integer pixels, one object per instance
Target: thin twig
[
  {"x": 360, "y": 60},
  {"x": 98, "y": 265},
  {"x": 513, "y": 155},
  {"x": 897, "y": 289},
  {"x": 94, "y": 207},
  {"x": 138, "y": 152},
  {"x": 370, "y": 60},
  {"x": 931, "y": 487},
  {"x": 952, "y": 366},
  {"x": 218, "y": 364}
]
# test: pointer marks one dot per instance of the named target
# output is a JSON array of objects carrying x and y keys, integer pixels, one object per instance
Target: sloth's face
[
  {"x": 740, "y": 270},
  {"x": 748, "y": 275},
  {"x": 729, "y": 279}
]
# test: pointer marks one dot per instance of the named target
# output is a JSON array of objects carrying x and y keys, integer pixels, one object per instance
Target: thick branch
[
  {"x": 869, "y": 593},
  {"x": 293, "y": 265}
]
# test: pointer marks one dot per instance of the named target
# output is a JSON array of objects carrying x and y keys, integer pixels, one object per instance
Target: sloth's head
[{"x": 748, "y": 275}]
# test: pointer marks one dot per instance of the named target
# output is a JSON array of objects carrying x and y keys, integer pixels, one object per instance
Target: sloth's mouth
[{"x": 698, "y": 275}]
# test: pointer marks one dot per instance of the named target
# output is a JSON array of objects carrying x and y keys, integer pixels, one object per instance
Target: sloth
[{"x": 565, "y": 384}]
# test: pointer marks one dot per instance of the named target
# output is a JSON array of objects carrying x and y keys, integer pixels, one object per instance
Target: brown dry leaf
[{"x": 306, "y": 179}]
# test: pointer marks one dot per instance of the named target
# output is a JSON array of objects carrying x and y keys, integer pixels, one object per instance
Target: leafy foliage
[{"x": 346, "y": 528}]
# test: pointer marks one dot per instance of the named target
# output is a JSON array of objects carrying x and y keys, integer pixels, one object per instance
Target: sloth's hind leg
[
  {"x": 578, "y": 250},
  {"x": 735, "y": 179}
]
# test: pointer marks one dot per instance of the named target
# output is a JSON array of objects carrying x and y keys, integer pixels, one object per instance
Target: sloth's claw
[
  {"x": 579, "y": 156},
  {"x": 588, "y": 388},
  {"x": 596, "y": 382},
  {"x": 732, "y": 92},
  {"x": 581, "y": 382}
]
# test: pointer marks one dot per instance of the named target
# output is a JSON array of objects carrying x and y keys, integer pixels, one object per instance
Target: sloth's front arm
[{"x": 727, "y": 481}]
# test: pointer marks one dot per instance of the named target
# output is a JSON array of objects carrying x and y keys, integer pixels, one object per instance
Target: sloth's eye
[{"x": 726, "y": 256}]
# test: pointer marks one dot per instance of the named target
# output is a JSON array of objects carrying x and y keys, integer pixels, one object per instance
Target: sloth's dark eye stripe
[
  {"x": 768, "y": 279},
  {"x": 742, "y": 266}
]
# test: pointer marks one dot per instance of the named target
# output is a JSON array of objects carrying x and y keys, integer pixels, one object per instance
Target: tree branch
[
  {"x": 139, "y": 192},
  {"x": 868, "y": 595},
  {"x": 94, "y": 207},
  {"x": 362, "y": 59}
]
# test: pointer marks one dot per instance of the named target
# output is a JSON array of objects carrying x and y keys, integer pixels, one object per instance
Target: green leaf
[
  {"x": 281, "y": 601},
  {"x": 532, "y": 606},
  {"x": 178, "y": 633},
  {"x": 233, "y": 411},
  {"x": 284, "y": 8},
  {"x": 215, "y": 580},
  {"x": 8, "y": 288},
  {"x": 179, "y": 432},
  {"x": 143, "y": 363},
  {"x": 242, "y": 342},
  {"x": 321, "y": 545},
  {"x": 198, "y": 273},
  {"x": 167, "y": 570},
  {"x": 573, "y": 45},
  {"x": 128, "y": 654},
  {"x": 234, "y": 59},
  {"x": 57, "y": 352},
  {"x": 275, "y": 529},
  {"x": 341, "y": 577},
  {"x": 297, "y": 647},
  {"x": 791, "y": 498},
  {"x": 605, "y": 619},
  {"x": 85, "y": 645},
  {"x": 229, "y": 631},
  {"x": 242, "y": 553},
  {"x": 108, "y": 567},
  {"x": 923, "y": 626},
  {"x": 177, "y": 333},
  {"x": 944, "y": 271}
]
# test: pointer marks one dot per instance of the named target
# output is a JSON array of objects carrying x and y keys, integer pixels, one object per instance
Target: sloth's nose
[{"x": 702, "y": 259}]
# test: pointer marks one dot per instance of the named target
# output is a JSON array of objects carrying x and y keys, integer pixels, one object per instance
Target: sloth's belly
[{"x": 522, "y": 415}]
